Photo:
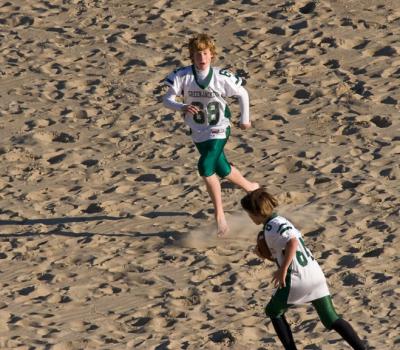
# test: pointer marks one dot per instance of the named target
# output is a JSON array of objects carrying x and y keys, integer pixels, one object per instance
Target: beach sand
[{"x": 107, "y": 232}]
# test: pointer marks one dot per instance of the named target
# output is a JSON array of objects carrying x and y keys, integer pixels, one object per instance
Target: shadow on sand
[{"x": 170, "y": 237}]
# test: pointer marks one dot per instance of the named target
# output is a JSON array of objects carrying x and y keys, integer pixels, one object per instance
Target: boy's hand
[
  {"x": 279, "y": 278},
  {"x": 245, "y": 126},
  {"x": 190, "y": 109}
]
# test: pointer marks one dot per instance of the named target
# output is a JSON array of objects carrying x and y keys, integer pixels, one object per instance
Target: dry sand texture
[{"x": 106, "y": 228}]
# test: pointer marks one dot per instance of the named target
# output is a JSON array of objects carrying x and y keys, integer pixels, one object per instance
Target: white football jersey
[
  {"x": 307, "y": 281},
  {"x": 214, "y": 116}
]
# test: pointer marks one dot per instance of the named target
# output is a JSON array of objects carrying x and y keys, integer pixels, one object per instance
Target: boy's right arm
[
  {"x": 169, "y": 101},
  {"x": 174, "y": 83},
  {"x": 175, "y": 86}
]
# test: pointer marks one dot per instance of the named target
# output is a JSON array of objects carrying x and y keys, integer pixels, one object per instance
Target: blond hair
[
  {"x": 201, "y": 42},
  {"x": 259, "y": 202}
]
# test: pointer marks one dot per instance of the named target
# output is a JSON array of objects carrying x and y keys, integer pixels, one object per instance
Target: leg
[
  {"x": 284, "y": 332},
  {"x": 210, "y": 152},
  {"x": 214, "y": 190},
  {"x": 237, "y": 178},
  {"x": 276, "y": 309},
  {"x": 331, "y": 320},
  {"x": 348, "y": 333},
  {"x": 231, "y": 173}
]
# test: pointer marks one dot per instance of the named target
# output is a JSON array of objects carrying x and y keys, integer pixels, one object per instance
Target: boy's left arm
[
  {"x": 290, "y": 251},
  {"x": 244, "y": 104},
  {"x": 233, "y": 87}
]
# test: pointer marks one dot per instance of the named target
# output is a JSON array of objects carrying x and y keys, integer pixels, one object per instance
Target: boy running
[
  {"x": 203, "y": 89},
  {"x": 299, "y": 277}
]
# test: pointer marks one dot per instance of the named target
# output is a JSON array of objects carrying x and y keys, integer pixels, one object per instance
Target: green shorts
[
  {"x": 324, "y": 306},
  {"x": 212, "y": 158}
]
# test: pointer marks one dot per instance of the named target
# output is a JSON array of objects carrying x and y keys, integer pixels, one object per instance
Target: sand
[{"x": 107, "y": 232}]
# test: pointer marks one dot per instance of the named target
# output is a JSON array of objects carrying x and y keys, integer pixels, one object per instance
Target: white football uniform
[
  {"x": 214, "y": 116},
  {"x": 307, "y": 281}
]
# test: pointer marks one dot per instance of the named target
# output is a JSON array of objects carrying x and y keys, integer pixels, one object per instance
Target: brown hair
[
  {"x": 201, "y": 42},
  {"x": 259, "y": 202}
]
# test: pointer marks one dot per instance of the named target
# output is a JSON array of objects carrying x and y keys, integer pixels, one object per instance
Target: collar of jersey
[
  {"x": 274, "y": 215},
  {"x": 206, "y": 81}
]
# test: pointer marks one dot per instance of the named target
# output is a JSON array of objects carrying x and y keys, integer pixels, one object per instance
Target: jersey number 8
[{"x": 212, "y": 110}]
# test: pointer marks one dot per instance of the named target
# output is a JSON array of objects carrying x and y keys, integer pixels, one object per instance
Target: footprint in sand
[
  {"x": 57, "y": 158},
  {"x": 381, "y": 121}
]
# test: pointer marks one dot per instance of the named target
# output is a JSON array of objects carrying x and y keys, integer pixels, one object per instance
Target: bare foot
[
  {"x": 254, "y": 186},
  {"x": 222, "y": 228}
]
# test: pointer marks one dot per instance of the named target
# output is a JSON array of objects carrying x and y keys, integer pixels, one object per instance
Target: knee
[
  {"x": 329, "y": 321},
  {"x": 326, "y": 311},
  {"x": 271, "y": 311},
  {"x": 328, "y": 318}
]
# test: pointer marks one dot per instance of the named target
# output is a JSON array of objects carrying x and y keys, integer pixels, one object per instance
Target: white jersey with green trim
[
  {"x": 307, "y": 281},
  {"x": 214, "y": 116}
]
